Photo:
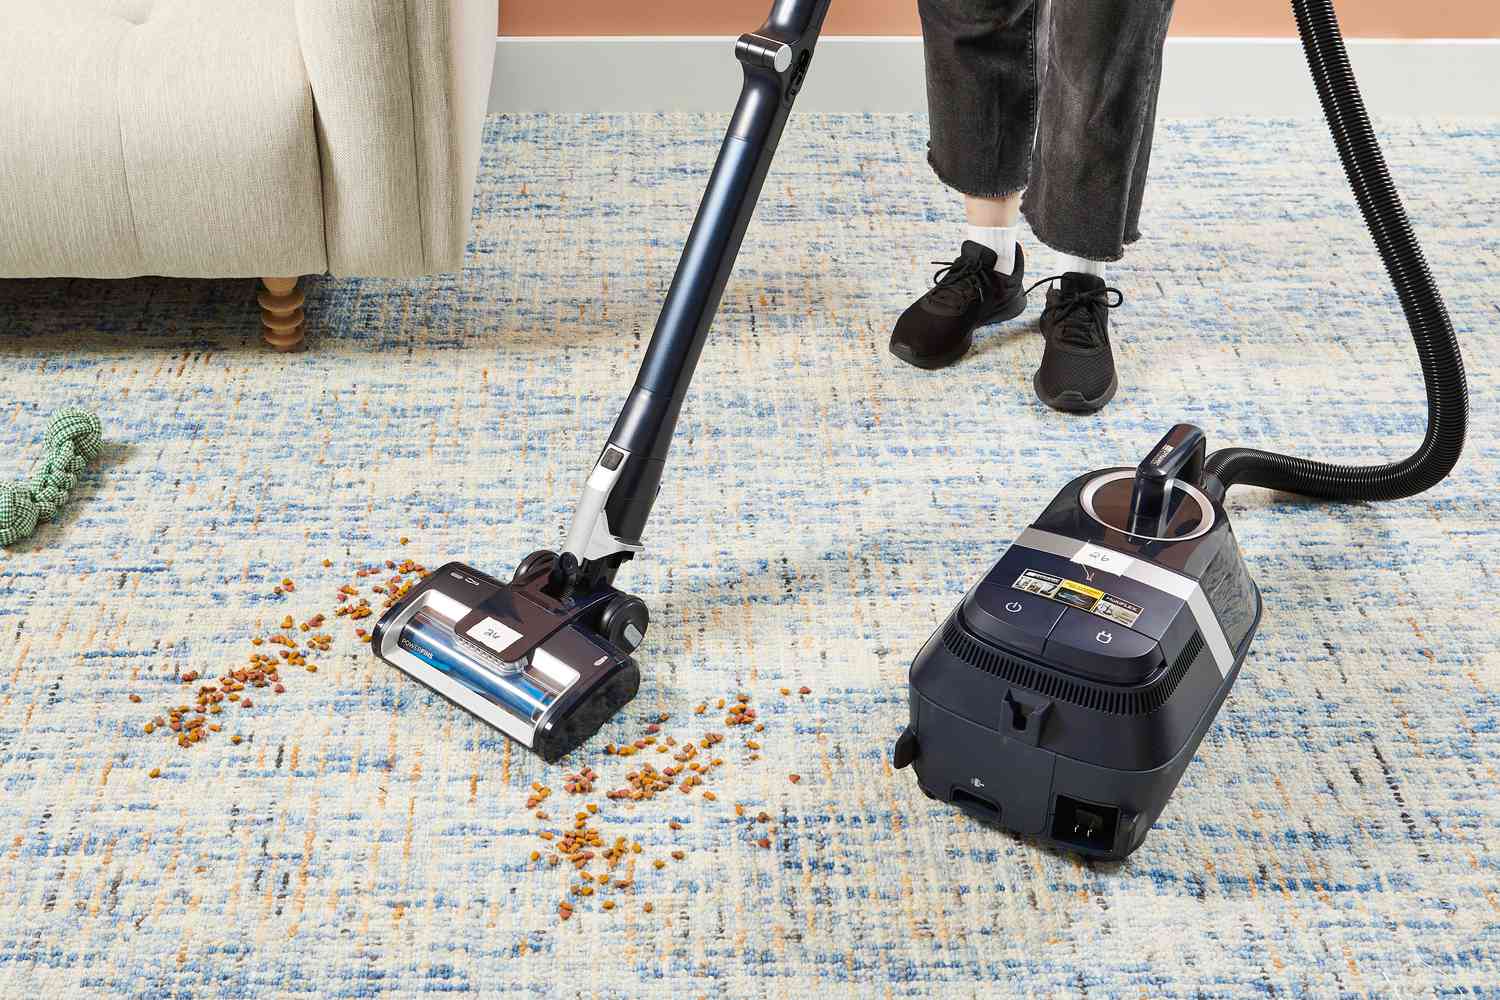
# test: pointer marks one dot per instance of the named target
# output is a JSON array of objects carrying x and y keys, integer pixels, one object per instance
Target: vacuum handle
[
  {"x": 1178, "y": 456},
  {"x": 775, "y": 60}
]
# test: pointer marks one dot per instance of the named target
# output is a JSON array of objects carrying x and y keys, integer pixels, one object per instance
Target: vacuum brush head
[{"x": 539, "y": 668}]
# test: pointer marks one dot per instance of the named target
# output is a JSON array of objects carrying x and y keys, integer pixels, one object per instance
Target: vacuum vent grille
[{"x": 1099, "y": 698}]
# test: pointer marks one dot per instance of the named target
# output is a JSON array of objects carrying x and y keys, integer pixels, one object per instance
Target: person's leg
[
  {"x": 982, "y": 98},
  {"x": 995, "y": 223},
  {"x": 1101, "y": 71},
  {"x": 1100, "y": 80}
]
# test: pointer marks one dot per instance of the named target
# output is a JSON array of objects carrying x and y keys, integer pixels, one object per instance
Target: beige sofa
[{"x": 240, "y": 138}]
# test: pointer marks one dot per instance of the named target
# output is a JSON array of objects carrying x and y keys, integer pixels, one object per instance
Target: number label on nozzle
[{"x": 495, "y": 635}]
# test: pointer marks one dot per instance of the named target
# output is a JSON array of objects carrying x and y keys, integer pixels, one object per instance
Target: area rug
[{"x": 825, "y": 506}]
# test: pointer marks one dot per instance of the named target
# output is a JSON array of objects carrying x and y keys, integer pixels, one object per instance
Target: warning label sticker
[{"x": 1080, "y": 596}]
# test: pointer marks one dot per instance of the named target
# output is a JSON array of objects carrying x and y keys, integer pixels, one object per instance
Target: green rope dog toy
[{"x": 73, "y": 438}]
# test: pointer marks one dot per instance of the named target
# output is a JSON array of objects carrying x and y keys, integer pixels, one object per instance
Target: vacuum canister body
[
  {"x": 517, "y": 659},
  {"x": 1066, "y": 694}
]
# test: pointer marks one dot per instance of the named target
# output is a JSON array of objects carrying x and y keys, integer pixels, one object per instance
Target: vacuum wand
[
  {"x": 623, "y": 484},
  {"x": 547, "y": 658}
]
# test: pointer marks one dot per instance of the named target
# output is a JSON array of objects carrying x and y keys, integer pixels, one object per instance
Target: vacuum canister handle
[{"x": 1178, "y": 456}]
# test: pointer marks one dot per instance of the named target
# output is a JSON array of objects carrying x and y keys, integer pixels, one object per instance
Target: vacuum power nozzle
[{"x": 533, "y": 666}]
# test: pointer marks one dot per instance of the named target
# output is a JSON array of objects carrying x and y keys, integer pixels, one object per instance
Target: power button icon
[{"x": 1015, "y": 607}]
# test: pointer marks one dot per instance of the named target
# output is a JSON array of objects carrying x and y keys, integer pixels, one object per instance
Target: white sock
[
  {"x": 1001, "y": 239},
  {"x": 1080, "y": 265}
]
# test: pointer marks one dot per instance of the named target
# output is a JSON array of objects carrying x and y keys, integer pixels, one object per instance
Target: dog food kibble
[
  {"x": 804, "y": 690},
  {"x": 583, "y": 845},
  {"x": 155, "y": 772}
]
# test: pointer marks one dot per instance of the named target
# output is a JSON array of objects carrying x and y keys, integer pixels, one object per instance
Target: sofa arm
[{"x": 400, "y": 89}]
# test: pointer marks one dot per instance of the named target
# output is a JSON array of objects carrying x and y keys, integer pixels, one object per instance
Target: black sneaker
[
  {"x": 968, "y": 293},
  {"x": 1077, "y": 374}
]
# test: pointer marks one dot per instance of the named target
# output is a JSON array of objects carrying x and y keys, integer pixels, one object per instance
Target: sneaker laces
[
  {"x": 958, "y": 281},
  {"x": 1081, "y": 315}
]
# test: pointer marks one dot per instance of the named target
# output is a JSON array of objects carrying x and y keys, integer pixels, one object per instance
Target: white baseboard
[{"x": 1203, "y": 76}]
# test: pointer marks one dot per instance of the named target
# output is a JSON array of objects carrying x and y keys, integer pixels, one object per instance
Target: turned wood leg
[{"x": 281, "y": 313}]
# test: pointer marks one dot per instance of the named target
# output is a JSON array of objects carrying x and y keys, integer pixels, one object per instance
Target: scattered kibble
[
  {"x": 647, "y": 906},
  {"x": 155, "y": 772},
  {"x": 804, "y": 690},
  {"x": 794, "y": 778}
]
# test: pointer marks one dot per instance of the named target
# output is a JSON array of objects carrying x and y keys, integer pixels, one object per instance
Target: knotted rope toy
[{"x": 73, "y": 438}]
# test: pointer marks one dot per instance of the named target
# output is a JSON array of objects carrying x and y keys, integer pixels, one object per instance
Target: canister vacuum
[{"x": 1069, "y": 690}]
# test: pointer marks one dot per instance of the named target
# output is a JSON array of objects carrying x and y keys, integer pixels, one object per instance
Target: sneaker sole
[
  {"x": 1069, "y": 401},
  {"x": 932, "y": 362}
]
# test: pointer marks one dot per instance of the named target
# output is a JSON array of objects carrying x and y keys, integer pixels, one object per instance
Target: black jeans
[{"x": 1057, "y": 97}]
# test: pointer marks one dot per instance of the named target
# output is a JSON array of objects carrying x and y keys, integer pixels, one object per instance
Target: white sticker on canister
[{"x": 1108, "y": 560}]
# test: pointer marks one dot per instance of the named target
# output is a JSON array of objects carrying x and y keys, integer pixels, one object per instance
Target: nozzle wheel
[
  {"x": 624, "y": 622},
  {"x": 540, "y": 561}
]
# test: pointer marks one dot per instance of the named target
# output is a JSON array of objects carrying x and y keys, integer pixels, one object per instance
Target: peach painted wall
[{"x": 1366, "y": 18}]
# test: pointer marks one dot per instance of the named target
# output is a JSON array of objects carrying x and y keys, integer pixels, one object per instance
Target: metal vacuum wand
[{"x": 623, "y": 484}]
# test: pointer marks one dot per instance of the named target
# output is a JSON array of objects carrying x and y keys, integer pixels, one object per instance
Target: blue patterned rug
[{"x": 824, "y": 508}]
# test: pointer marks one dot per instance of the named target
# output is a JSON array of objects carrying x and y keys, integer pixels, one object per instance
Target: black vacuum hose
[{"x": 1431, "y": 329}]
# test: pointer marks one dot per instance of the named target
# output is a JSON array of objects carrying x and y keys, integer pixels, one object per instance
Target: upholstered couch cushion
[{"x": 170, "y": 137}]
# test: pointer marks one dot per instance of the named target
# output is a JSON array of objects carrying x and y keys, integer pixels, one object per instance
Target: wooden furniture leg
[{"x": 281, "y": 313}]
